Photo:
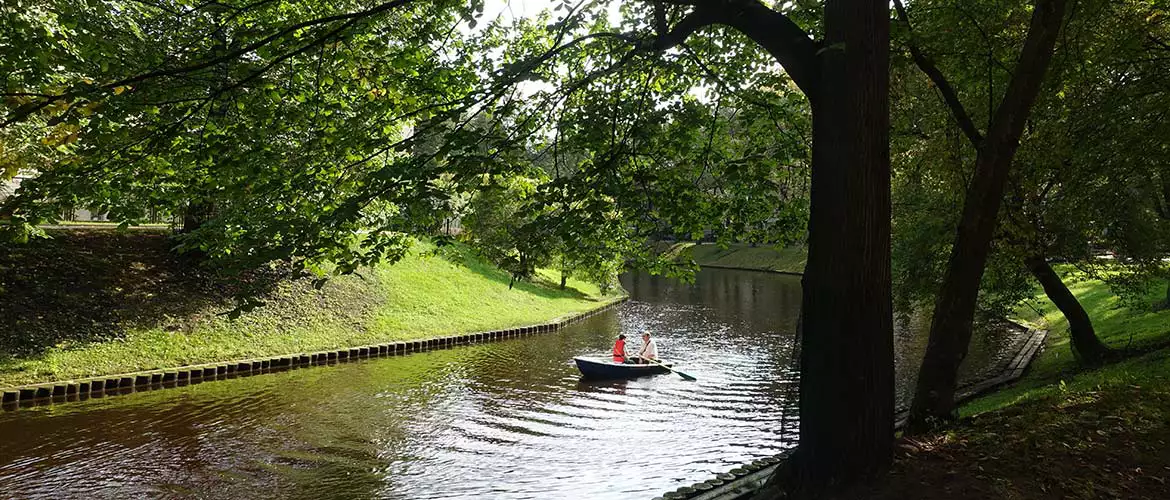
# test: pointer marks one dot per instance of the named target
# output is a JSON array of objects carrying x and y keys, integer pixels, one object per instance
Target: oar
[{"x": 672, "y": 370}]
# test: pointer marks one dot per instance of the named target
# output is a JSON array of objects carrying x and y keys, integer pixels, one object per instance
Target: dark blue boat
[{"x": 598, "y": 368}]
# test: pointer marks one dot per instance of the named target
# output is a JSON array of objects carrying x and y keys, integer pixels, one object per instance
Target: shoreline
[
  {"x": 741, "y": 482},
  {"x": 758, "y": 270},
  {"x": 741, "y": 256},
  {"x": 95, "y": 303},
  {"x": 67, "y": 391}
]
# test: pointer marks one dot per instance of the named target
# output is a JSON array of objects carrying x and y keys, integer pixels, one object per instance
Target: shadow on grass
[
  {"x": 1107, "y": 442},
  {"x": 83, "y": 286},
  {"x": 466, "y": 257}
]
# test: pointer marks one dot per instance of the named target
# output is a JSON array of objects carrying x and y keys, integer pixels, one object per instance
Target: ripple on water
[{"x": 507, "y": 420}]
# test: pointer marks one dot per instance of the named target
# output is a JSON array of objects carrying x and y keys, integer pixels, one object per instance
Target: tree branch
[
  {"x": 1022, "y": 89},
  {"x": 660, "y": 19},
  {"x": 927, "y": 66},
  {"x": 696, "y": 20},
  {"x": 778, "y": 35},
  {"x": 773, "y": 31},
  {"x": 25, "y": 111}
]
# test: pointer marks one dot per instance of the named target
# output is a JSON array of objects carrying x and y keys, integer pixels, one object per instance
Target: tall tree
[
  {"x": 334, "y": 183},
  {"x": 951, "y": 324},
  {"x": 1079, "y": 184},
  {"x": 846, "y": 339}
]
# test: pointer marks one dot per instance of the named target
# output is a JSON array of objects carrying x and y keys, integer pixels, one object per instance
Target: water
[{"x": 504, "y": 420}]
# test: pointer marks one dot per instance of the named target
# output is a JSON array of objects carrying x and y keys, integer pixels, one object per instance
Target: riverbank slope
[
  {"x": 1062, "y": 431},
  {"x": 98, "y": 302},
  {"x": 788, "y": 260}
]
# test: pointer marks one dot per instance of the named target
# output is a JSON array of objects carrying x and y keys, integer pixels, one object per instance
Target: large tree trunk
[
  {"x": 195, "y": 214},
  {"x": 846, "y": 352},
  {"x": 954, "y": 310},
  {"x": 846, "y": 338},
  {"x": 1085, "y": 344}
]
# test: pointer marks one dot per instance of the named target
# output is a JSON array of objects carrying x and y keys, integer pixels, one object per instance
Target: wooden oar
[{"x": 672, "y": 370}]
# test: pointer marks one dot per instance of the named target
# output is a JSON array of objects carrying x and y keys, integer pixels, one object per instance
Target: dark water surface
[{"x": 501, "y": 420}]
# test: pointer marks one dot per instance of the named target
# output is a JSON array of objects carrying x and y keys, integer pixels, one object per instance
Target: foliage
[
  {"x": 322, "y": 133},
  {"x": 1081, "y": 179},
  {"x": 501, "y": 224},
  {"x": 1090, "y": 172},
  {"x": 278, "y": 119}
]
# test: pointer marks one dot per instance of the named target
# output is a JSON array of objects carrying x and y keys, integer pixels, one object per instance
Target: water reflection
[{"x": 502, "y": 420}]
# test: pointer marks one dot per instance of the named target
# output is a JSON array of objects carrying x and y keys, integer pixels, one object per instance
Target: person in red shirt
[{"x": 619, "y": 349}]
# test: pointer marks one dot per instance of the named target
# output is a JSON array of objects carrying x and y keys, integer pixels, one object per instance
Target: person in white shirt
[{"x": 649, "y": 348}]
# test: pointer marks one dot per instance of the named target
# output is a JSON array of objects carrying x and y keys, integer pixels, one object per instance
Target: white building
[{"x": 8, "y": 187}]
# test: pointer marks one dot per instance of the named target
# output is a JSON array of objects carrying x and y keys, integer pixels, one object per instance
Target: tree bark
[
  {"x": 1164, "y": 304},
  {"x": 196, "y": 213},
  {"x": 846, "y": 339},
  {"x": 1162, "y": 205},
  {"x": 1085, "y": 344},
  {"x": 954, "y": 311},
  {"x": 846, "y": 352}
]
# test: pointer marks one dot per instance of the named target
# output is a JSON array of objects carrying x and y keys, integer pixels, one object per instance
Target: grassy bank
[
  {"x": 1062, "y": 431},
  {"x": 98, "y": 302},
  {"x": 742, "y": 256},
  {"x": 1106, "y": 442},
  {"x": 1119, "y": 325}
]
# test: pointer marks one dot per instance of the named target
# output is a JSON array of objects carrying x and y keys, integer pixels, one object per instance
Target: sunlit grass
[
  {"x": 1056, "y": 371},
  {"x": 421, "y": 296},
  {"x": 743, "y": 256}
]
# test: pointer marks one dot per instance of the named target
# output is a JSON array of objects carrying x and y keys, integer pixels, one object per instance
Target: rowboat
[{"x": 598, "y": 368}]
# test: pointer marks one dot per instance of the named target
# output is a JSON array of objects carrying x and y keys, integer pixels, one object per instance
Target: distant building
[
  {"x": 9, "y": 187},
  {"x": 82, "y": 214}
]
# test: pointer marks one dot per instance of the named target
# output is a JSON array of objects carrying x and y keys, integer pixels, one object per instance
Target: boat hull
[{"x": 602, "y": 369}]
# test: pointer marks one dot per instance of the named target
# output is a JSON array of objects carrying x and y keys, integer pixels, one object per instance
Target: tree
[
  {"x": 292, "y": 132},
  {"x": 951, "y": 324},
  {"x": 315, "y": 167},
  {"x": 1092, "y": 148},
  {"x": 847, "y": 344}
]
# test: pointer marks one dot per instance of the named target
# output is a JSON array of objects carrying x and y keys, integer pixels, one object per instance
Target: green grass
[
  {"x": 1055, "y": 371},
  {"x": 1062, "y": 431},
  {"x": 422, "y": 296},
  {"x": 1103, "y": 435},
  {"x": 743, "y": 256}
]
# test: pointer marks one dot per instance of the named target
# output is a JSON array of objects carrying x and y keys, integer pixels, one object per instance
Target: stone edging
[
  {"x": 1013, "y": 372},
  {"x": 742, "y": 481},
  {"x": 737, "y": 268},
  {"x": 12, "y": 398}
]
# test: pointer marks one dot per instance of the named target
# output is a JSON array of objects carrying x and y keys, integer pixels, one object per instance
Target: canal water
[{"x": 505, "y": 420}]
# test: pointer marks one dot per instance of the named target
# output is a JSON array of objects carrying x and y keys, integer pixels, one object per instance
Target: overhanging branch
[
  {"x": 350, "y": 18},
  {"x": 928, "y": 67},
  {"x": 773, "y": 31}
]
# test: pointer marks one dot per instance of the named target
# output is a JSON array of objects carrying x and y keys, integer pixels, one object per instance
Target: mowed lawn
[
  {"x": 743, "y": 256},
  {"x": 1132, "y": 326},
  {"x": 1063, "y": 431},
  {"x": 90, "y": 303}
]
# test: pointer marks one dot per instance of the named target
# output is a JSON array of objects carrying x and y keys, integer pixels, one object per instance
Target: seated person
[
  {"x": 619, "y": 349},
  {"x": 649, "y": 349}
]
